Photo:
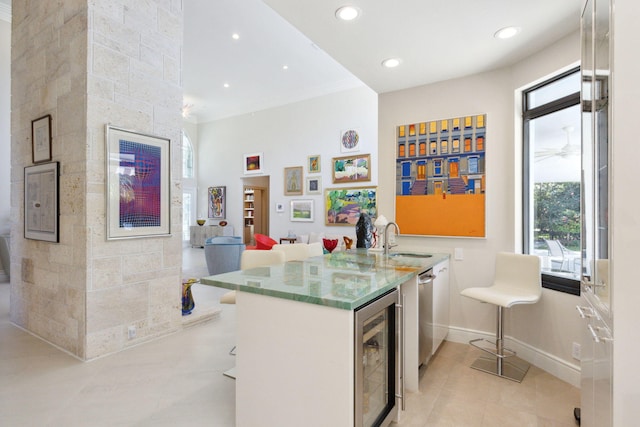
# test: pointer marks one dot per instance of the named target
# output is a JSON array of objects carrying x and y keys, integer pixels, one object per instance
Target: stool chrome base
[
  {"x": 512, "y": 368},
  {"x": 500, "y": 361}
]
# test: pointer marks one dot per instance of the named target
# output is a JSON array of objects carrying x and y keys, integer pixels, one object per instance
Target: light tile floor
[{"x": 177, "y": 381}]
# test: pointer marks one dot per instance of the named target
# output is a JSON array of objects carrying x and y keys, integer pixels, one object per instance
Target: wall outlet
[
  {"x": 132, "y": 332},
  {"x": 575, "y": 351}
]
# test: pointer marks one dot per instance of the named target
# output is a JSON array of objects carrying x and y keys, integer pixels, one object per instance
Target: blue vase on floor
[{"x": 188, "y": 303}]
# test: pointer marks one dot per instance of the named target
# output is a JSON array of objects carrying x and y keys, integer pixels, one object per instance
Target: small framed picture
[
  {"x": 314, "y": 185},
  {"x": 293, "y": 181},
  {"x": 217, "y": 202},
  {"x": 41, "y": 210},
  {"x": 302, "y": 210},
  {"x": 253, "y": 163},
  {"x": 279, "y": 207},
  {"x": 41, "y": 139},
  {"x": 313, "y": 163},
  {"x": 349, "y": 140}
]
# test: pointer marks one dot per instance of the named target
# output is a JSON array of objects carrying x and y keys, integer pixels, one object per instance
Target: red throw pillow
[{"x": 264, "y": 242}]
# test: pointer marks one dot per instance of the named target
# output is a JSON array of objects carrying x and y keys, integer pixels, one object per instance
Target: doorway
[{"x": 255, "y": 208}]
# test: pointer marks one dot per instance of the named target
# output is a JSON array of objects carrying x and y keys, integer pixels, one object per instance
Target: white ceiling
[
  {"x": 251, "y": 65},
  {"x": 435, "y": 40}
]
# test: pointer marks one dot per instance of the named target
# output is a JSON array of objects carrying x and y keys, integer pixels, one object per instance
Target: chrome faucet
[{"x": 387, "y": 244}]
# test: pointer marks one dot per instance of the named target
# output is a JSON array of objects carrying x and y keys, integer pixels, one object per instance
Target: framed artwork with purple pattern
[{"x": 138, "y": 199}]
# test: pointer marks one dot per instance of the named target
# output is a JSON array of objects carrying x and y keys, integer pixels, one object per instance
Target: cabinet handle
[
  {"x": 594, "y": 330},
  {"x": 594, "y": 335},
  {"x": 586, "y": 284},
  {"x": 423, "y": 279},
  {"x": 585, "y": 312},
  {"x": 401, "y": 346}
]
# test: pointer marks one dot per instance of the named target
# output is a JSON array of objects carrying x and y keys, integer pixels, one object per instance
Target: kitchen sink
[{"x": 409, "y": 254}]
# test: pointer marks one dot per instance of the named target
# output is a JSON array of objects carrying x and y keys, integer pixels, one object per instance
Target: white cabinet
[
  {"x": 295, "y": 363},
  {"x": 426, "y": 317},
  {"x": 199, "y": 234},
  {"x": 440, "y": 303}
]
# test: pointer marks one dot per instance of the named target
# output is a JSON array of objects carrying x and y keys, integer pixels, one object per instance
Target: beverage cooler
[{"x": 377, "y": 358}]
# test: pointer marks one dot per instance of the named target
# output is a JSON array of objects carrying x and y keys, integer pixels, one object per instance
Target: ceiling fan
[{"x": 565, "y": 151}]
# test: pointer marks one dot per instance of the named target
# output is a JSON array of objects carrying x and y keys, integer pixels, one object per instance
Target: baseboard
[{"x": 557, "y": 367}]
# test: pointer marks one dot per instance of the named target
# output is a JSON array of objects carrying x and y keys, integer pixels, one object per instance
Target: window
[
  {"x": 189, "y": 205},
  {"x": 433, "y": 147},
  {"x": 437, "y": 167},
  {"x": 473, "y": 165},
  {"x": 552, "y": 165},
  {"x": 444, "y": 146},
  {"x": 401, "y": 150}
]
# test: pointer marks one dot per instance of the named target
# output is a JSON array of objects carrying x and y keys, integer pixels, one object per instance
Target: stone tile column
[{"x": 90, "y": 63}]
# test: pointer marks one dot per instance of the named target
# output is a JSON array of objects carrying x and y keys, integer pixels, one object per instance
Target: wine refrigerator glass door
[{"x": 375, "y": 362}]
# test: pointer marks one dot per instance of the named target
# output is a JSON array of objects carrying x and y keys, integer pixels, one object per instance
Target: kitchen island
[{"x": 295, "y": 360}]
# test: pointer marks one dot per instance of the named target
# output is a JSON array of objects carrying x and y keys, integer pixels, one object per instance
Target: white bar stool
[{"x": 517, "y": 281}]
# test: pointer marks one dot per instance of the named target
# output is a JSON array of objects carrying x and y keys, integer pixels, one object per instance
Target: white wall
[
  {"x": 625, "y": 214},
  {"x": 551, "y": 325},
  {"x": 286, "y": 135},
  {"x": 5, "y": 132}
]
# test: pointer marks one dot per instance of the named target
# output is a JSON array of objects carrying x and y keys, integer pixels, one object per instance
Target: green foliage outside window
[{"x": 557, "y": 212}]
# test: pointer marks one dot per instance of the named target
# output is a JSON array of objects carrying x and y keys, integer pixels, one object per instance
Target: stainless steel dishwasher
[{"x": 425, "y": 316}]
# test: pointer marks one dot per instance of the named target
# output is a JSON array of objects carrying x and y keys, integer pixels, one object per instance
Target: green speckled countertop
[{"x": 343, "y": 280}]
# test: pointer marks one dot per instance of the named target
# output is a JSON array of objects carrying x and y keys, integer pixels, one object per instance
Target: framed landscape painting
[
  {"x": 351, "y": 168},
  {"x": 343, "y": 206},
  {"x": 302, "y": 210}
]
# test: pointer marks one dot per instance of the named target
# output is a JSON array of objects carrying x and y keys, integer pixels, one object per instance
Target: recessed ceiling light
[
  {"x": 347, "y": 13},
  {"x": 226, "y": 85},
  {"x": 285, "y": 67},
  {"x": 506, "y": 32},
  {"x": 235, "y": 36},
  {"x": 391, "y": 63}
]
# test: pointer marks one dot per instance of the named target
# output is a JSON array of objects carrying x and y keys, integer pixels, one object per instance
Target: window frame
[{"x": 557, "y": 283}]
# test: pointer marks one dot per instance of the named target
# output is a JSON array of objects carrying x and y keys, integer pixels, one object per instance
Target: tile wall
[{"x": 90, "y": 63}]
